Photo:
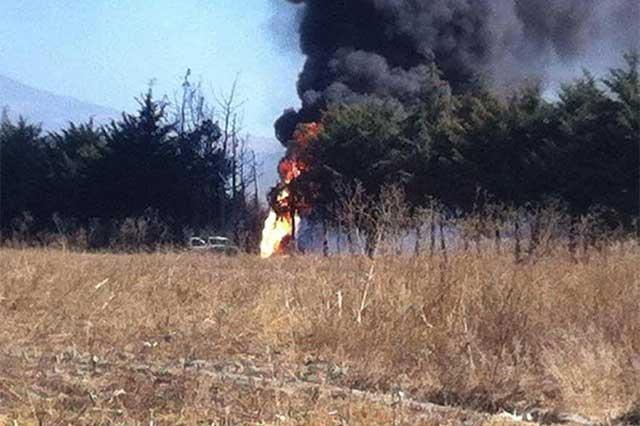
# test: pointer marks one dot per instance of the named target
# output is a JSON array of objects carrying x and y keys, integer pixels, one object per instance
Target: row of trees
[
  {"x": 180, "y": 166},
  {"x": 387, "y": 224},
  {"x": 151, "y": 176},
  {"x": 479, "y": 148}
]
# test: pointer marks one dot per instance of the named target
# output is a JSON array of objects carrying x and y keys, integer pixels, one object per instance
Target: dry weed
[{"x": 81, "y": 334}]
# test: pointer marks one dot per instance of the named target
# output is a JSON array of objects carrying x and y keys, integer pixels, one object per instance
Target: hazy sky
[{"x": 107, "y": 51}]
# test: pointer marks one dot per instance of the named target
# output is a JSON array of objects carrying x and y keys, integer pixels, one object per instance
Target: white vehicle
[{"x": 218, "y": 245}]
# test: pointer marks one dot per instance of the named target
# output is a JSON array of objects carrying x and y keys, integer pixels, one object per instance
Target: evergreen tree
[
  {"x": 74, "y": 151},
  {"x": 624, "y": 84},
  {"x": 433, "y": 132},
  {"x": 26, "y": 175},
  {"x": 483, "y": 116},
  {"x": 360, "y": 143},
  {"x": 134, "y": 173},
  {"x": 599, "y": 156}
]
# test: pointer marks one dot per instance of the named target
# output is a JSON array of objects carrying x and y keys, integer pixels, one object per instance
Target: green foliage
[
  {"x": 624, "y": 84},
  {"x": 26, "y": 177},
  {"x": 474, "y": 148},
  {"x": 105, "y": 175},
  {"x": 434, "y": 134},
  {"x": 598, "y": 141},
  {"x": 466, "y": 150},
  {"x": 359, "y": 143}
]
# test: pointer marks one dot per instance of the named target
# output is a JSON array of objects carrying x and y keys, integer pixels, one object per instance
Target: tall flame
[
  {"x": 278, "y": 231},
  {"x": 275, "y": 230},
  {"x": 276, "y": 234}
]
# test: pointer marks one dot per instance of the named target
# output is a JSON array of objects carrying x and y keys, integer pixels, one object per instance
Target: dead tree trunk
[
  {"x": 254, "y": 174},
  {"x": 516, "y": 234},
  {"x": 417, "y": 248},
  {"x": 325, "y": 239},
  {"x": 534, "y": 240},
  {"x": 443, "y": 245},
  {"x": 573, "y": 243},
  {"x": 497, "y": 238},
  {"x": 432, "y": 235}
]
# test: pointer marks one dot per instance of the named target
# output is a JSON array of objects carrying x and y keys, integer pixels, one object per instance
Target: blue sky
[{"x": 107, "y": 51}]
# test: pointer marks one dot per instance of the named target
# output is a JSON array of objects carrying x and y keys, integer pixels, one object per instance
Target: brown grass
[{"x": 129, "y": 339}]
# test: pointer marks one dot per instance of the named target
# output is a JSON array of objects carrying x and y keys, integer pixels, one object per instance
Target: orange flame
[
  {"x": 276, "y": 234},
  {"x": 279, "y": 228}
]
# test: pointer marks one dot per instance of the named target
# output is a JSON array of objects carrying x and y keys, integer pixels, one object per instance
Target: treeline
[
  {"x": 176, "y": 169},
  {"x": 155, "y": 177},
  {"x": 388, "y": 225},
  {"x": 477, "y": 148}
]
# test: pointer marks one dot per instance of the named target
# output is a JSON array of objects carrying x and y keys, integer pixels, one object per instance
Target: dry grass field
[{"x": 184, "y": 338}]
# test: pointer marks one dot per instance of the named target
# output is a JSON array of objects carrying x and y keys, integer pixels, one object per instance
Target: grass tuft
[{"x": 126, "y": 339}]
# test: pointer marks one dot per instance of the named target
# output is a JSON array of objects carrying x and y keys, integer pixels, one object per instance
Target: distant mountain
[
  {"x": 267, "y": 172},
  {"x": 55, "y": 112},
  {"x": 52, "y": 111}
]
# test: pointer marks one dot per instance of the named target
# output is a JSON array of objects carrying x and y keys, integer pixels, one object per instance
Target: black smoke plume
[{"x": 359, "y": 49}]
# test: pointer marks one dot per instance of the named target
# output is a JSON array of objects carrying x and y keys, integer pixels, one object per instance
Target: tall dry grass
[{"x": 478, "y": 331}]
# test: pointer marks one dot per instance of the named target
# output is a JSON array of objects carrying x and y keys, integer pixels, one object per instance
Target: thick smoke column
[{"x": 359, "y": 49}]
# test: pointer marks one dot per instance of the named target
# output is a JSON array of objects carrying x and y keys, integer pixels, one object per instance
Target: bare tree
[
  {"x": 229, "y": 109},
  {"x": 192, "y": 108}
]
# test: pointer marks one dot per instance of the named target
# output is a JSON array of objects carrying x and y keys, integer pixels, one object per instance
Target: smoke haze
[{"x": 384, "y": 48}]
